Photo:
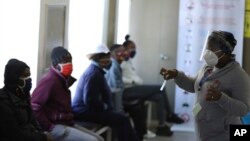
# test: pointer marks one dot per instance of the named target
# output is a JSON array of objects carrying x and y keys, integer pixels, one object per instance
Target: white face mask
[{"x": 211, "y": 58}]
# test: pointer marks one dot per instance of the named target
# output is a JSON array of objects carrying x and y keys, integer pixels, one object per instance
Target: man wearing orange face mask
[{"x": 51, "y": 101}]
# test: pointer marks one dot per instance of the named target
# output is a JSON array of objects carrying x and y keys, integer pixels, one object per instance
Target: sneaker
[
  {"x": 149, "y": 134},
  {"x": 163, "y": 131},
  {"x": 174, "y": 119}
]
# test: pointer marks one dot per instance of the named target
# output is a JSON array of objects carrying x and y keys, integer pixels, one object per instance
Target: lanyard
[{"x": 204, "y": 78}]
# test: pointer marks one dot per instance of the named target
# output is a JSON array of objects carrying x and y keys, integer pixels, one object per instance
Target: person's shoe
[
  {"x": 163, "y": 131},
  {"x": 174, "y": 119},
  {"x": 149, "y": 134}
]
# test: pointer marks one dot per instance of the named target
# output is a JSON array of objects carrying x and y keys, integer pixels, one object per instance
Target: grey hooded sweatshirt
[{"x": 213, "y": 120}]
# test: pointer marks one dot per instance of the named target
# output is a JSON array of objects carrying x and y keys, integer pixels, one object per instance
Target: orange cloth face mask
[{"x": 66, "y": 69}]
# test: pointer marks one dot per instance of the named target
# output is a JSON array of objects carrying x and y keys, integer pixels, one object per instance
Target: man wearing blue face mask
[
  {"x": 26, "y": 84},
  {"x": 221, "y": 87},
  {"x": 16, "y": 120}
]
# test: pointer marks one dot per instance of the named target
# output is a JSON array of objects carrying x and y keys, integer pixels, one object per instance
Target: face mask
[
  {"x": 126, "y": 58},
  {"x": 211, "y": 58},
  {"x": 132, "y": 54},
  {"x": 27, "y": 84},
  {"x": 66, "y": 69},
  {"x": 126, "y": 55},
  {"x": 121, "y": 56},
  {"x": 107, "y": 67}
]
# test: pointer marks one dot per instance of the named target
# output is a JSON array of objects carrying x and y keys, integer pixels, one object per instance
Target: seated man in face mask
[
  {"x": 136, "y": 109},
  {"x": 92, "y": 101},
  {"x": 51, "y": 101},
  {"x": 16, "y": 120}
]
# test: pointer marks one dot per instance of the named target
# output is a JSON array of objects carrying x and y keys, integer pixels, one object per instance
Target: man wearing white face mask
[{"x": 221, "y": 86}]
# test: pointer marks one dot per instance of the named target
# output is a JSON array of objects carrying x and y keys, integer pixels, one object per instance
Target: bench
[{"x": 97, "y": 128}]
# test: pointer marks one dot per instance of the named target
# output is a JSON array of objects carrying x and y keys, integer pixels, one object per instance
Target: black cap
[{"x": 58, "y": 55}]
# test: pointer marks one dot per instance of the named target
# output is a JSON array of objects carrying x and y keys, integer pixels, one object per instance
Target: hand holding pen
[{"x": 167, "y": 74}]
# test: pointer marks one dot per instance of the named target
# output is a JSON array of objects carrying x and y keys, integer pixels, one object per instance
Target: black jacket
[{"x": 16, "y": 120}]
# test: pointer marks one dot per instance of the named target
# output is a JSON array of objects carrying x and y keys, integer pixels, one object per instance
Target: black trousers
[
  {"x": 118, "y": 121},
  {"x": 137, "y": 112},
  {"x": 150, "y": 93}
]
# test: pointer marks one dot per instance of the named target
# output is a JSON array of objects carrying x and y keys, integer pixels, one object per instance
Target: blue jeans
[{"x": 76, "y": 133}]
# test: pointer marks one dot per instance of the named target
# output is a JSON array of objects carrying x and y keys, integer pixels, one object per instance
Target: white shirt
[{"x": 129, "y": 75}]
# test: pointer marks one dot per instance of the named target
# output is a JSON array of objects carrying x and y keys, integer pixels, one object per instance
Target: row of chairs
[
  {"x": 101, "y": 129},
  {"x": 97, "y": 128}
]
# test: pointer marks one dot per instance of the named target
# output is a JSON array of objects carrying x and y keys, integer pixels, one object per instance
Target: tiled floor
[{"x": 177, "y": 136}]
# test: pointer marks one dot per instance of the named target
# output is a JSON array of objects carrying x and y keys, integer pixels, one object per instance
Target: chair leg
[
  {"x": 109, "y": 135},
  {"x": 149, "y": 113}
]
